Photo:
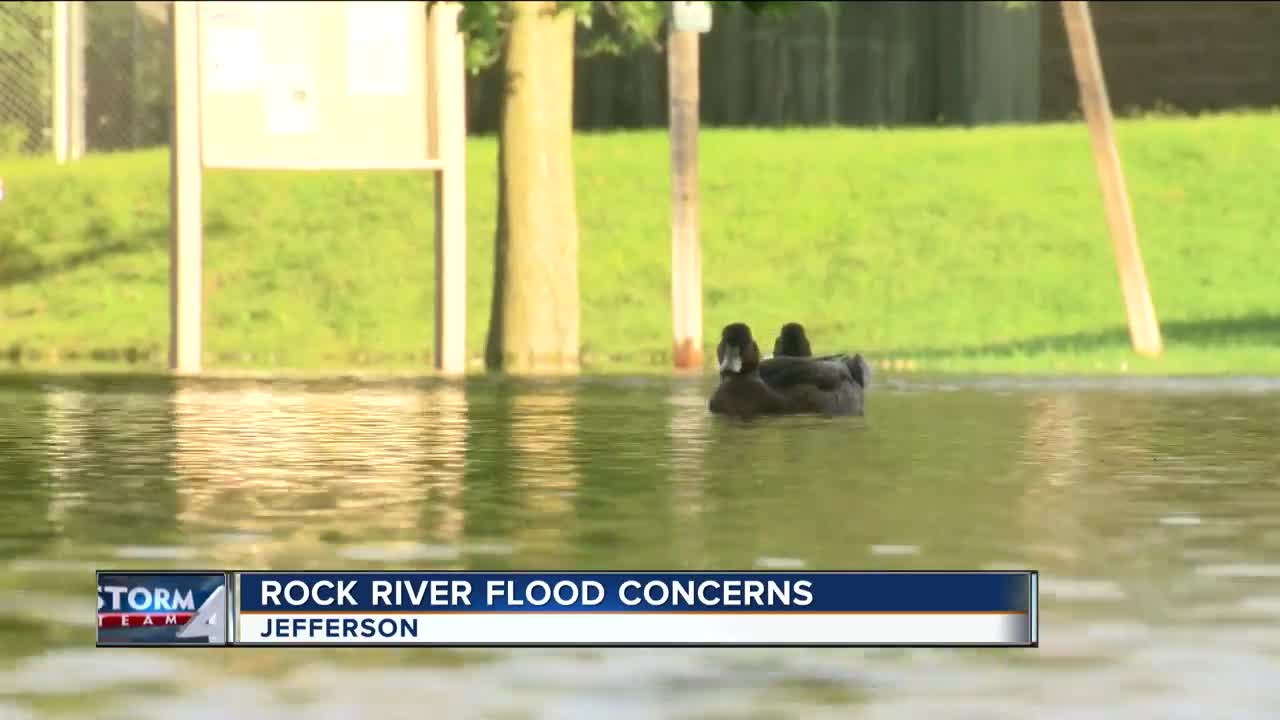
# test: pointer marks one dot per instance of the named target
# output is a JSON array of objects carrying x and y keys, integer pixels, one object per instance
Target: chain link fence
[
  {"x": 128, "y": 75},
  {"x": 26, "y": 77},
  {"x": 127, "y": 81}
]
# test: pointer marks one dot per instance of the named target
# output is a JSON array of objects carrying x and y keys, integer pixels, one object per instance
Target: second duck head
[
  {"x": 792, "y": 342},
  {"x": 737, "y": 353}
]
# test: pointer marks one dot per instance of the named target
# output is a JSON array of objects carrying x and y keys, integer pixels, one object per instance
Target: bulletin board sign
[{"x": 314, "y": 85}]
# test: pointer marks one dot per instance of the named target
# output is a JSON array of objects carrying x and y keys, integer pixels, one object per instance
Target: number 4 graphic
[{"x": 209, "y": 621}]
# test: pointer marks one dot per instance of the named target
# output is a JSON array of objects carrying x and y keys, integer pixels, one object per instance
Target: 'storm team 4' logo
[{"x": 161, "y": 603}]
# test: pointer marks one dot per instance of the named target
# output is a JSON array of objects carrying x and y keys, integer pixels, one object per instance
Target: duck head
[
  {"x": 738, "y": 353},
  {"x": 792, "y": 342}
]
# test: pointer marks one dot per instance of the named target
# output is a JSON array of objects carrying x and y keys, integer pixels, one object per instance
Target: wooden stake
[
  {"x": 686, "y": 253},
  {"x": 1144, "y": 330},
  {"x": 185, "y": 195}
]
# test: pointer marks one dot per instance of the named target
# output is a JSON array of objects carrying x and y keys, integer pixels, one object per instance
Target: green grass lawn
[{"x": 931, "y": 249}]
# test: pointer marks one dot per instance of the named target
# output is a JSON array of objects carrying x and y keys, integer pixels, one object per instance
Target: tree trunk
[{"x": 535, "y": 315}]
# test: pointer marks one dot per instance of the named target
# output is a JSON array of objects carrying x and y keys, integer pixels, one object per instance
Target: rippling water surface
[{"x": 1152, "y": 510}]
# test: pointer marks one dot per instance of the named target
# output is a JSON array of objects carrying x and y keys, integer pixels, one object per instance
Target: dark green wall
[{"x": 863, "y": 63}]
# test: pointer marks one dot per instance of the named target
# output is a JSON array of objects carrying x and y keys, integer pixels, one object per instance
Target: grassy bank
[{"x": 933, "y": 249}]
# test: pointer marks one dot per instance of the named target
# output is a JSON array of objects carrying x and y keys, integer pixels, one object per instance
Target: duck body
[
  {"x": 826, "y": 385},
  {"x": 793, "y": 343},
  {"x": 747, "y": 396},
  {"x": 782, "y": 385}
]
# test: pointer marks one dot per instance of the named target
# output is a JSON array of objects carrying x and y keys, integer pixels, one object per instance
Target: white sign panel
[
  {"x": 378, "y": 48},
  {"x": 235, "y": 60},
  {"x": 290, "y": 99}
]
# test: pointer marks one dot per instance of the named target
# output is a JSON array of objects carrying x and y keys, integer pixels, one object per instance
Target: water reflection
[
  {"x": 93, "y": 503},
  {"x": 688, "y": 430},
  {"x": 66, "y": 417},
  {"x": 445, "y": 424},
  {"x": 1150, "y": 510},
  {"x": 376, "y": 471},
  {"x": 1054, "y": 459},
  {"x": 543, "y": 426}
]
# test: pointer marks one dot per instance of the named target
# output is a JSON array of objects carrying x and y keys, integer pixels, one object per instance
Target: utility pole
[
  {"x": 1144, "y": 330},
  {"x": 688, "y": 20}
]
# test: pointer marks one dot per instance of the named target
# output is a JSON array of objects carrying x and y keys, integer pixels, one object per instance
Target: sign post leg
[
  {"x": 185, "y": 200},
  {"x": 448, "y": 125}
]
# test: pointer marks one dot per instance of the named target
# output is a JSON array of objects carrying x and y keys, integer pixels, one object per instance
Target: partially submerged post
[
  {"x": 186, "y": 201},
  {"x": 688, "y": 19},
  {"x": 1144, "y": 330},
  {"x": 318, "y": 86},
  {"x": 446, "y": 95}
]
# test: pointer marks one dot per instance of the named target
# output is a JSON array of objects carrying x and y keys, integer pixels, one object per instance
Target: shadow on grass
[
  {"x": 1255, "y": 329},
  {"x": 20, "y": 264}
]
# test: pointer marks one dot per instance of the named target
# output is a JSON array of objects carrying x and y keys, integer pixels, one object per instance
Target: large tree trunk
[{"x": 535, "y": 315}]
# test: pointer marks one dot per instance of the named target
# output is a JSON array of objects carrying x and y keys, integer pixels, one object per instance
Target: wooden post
[
  {"x": 185, "y": 195},
  {"x": 1144, "y": 330},
  {"x": 448, "y": 130},
  {"x": 686, "y": 254}
]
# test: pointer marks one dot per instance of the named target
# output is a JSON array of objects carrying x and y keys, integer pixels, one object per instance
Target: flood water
[{"x": 1151, "y": 508}]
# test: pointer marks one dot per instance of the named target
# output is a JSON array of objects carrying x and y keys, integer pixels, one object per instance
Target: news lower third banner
[{"x": 586, "y": 609}]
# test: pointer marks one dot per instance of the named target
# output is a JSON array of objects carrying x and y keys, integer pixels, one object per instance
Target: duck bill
[{"x": 732, "y": 360}]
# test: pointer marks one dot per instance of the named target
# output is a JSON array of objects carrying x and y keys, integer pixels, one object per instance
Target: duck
[
  {"x": 792, "y": 341},
  {"x": 781, "y": 385}
]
